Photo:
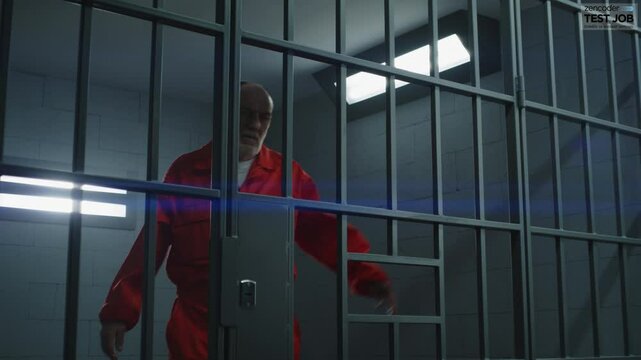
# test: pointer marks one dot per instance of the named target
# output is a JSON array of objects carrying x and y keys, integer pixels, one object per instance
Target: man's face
[{"x": 255, "y": 117}]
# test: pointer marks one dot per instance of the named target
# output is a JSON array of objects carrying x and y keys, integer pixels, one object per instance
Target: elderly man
[{"x": 185, "y": 236}]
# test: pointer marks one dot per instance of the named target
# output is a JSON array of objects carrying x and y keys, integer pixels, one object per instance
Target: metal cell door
[{"x": 263, "y": 277}]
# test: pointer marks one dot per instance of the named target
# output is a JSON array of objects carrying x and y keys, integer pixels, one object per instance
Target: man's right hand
[{"x": 112, "y": 337}]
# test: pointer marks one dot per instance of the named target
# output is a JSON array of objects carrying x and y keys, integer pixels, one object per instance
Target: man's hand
[
  {"x": 383, "y": 292},
  {"x": 112, "y": 336}
]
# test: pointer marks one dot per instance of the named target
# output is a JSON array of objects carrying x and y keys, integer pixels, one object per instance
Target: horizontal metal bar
[
  {"x": 537, "y": 107},
  {"x": 125, "y": 184},
  {"x": 315, "y": 54},
  {"x": 401, "y": 319},
  {"x": 158, "y": 15},
  {"x": 586, "y": 236},
  {"x": 381, "y": 212},
  {"x": 395, "y": 260},
  {"x": 573, "y": 6}
]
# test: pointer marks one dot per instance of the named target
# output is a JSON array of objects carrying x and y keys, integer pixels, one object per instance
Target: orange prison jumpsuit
[{"x": 183, "y": 231}]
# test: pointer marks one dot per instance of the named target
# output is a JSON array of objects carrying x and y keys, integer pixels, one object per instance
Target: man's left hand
[{"x": 383, "y": 292}]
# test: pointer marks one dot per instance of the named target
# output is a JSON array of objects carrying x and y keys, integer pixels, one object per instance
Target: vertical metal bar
[
  {"x": 637, "y": 72},
  {"x": 618, "y": 182},
  {"x": 481, "y": 259},
  {"x": 437, "y": 178},
  {"x": 394, "y": 334},
  {"x": 511, "y": 112},
  {"x": 524, "y": 317},
  {"x": 614, "y": 107},
  {"x": 587, "y": 166},
  {"x": 519, "y": 276},
  {"x": 583, "y": 83},
  {"x": 625, "y": 300},
  {"x": 441, "y": 334},
  {"x": 234, "y": 108},
  {"x": 481, "y": 262},
  {"x": 436, "y": 113},
  {"x": 5, "y": 46},
  {"x": 218, "y": 221},
  {"x": 586, "y": 127},
  {"x": 288, "y": 149},
  {"x": 341, "y": 186},
  {"x": 595, "y": 296},
  {"x": 473, "y": 33},
  {"x": 477, "y": 114},
  {"x": 78, "y": 164},
  {"x": 618, "y": 187},
  {"x": 342, "y": 289},
  {"x": 558, "y": 196},
  {"x": 482, "y": 301},
  {"x": 549, "y": 33},
  {"x": 288, "y": 101},
  {"x": 153, "y": 134},
  {"x": 558, "y": 189},
  {"x": 562, "y": 296},
  {"x": 390, "y": 124}
]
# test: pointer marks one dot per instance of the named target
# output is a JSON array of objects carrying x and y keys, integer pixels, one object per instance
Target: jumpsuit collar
[{"x": 265, "y": 159}]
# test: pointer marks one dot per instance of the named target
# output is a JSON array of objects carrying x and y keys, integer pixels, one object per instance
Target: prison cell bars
[
  {"x": 592, "y": 238},
  {"x": 203, "y": 27}
]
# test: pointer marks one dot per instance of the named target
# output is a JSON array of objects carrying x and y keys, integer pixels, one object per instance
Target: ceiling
[{"x": 45, "y": 41}]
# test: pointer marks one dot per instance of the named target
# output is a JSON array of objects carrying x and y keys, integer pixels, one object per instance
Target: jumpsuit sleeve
[
  {"x": 123, "y": 301},
  {"x": 316, "y": 234}
]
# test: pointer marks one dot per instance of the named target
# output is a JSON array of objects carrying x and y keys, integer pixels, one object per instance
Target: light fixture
[
  {"x": 452, "y": 53},
  {"x": 60, "y": 204}
]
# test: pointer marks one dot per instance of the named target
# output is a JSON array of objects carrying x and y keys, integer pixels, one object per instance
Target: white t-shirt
[{"x": 243, "y": 169}]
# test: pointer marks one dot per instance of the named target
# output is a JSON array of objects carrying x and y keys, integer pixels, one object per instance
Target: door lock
[{"x": 247, "y": 294}]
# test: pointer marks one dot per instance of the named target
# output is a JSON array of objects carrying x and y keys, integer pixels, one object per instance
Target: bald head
[{"x": 256, "y": 106}]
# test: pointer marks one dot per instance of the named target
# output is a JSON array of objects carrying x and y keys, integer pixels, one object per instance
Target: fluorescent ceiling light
[
  {"x": 37, "y": 182},
  {"x": 29, "y": 202},
  {"x": 61, "y": 205},
  {"x": 452, "y": 53},
  {"x": 58, "y": 204},
  {"x": 87, "y": 187},
  {"x": 59, "y": 184},
  {"x": 103, "y": 209}
]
